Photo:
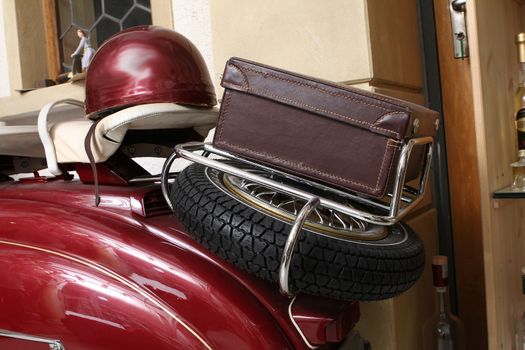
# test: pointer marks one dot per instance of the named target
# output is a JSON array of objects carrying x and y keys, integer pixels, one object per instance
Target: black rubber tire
[{"x": 321, "y": 266}]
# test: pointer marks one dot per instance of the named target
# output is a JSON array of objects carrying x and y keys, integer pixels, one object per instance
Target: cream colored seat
[
  {"x": 20, "y": 140},
  {"x": 64, "y": 141}
]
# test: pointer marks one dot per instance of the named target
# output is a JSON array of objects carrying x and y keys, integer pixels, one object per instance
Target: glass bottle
[
  {"x": 443, "y": 331},
  {"x": 520, "y": 91},
  {"x": 518, "y": 168},
  {"x": 518, "y": 171},
  {"x": 520, "y": 320}
]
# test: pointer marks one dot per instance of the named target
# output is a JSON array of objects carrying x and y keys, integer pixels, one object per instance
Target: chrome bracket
[{"x": 53, "y": 344}]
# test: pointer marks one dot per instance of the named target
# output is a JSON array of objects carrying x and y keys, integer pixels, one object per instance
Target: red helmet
[{"x": 146, "y": 64}]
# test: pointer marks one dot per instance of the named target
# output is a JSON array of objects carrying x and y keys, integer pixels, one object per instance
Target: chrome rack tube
[
  {"x": 404, "y": 158},
  {"x": 291, "y": 242},
  {"x": 164, "y": 178},
  {"x": 401, "y": 194},
  {"x": 186, "y": 151},
  {"x": 393, "y": 211}
]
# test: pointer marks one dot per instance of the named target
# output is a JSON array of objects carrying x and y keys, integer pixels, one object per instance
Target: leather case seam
[
  {"x": 361, "y": 93},
  {"x": 282, "y": 98},
  {"x": 393, "y": 144},
  {"x": 223, "y": 112},
  {"x": 325, "y": 91},
  {"x": 347, "y": 117},
  {"x": 298, "y": 167}
]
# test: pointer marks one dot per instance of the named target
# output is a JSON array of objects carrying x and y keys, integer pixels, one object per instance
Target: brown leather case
[{"x": 341, "y": 136}]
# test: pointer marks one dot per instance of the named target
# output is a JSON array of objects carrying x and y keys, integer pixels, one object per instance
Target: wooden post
[{"x": 50, "y": 21}]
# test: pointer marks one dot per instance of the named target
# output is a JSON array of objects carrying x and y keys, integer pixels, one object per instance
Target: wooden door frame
[
  {"x": 440, "y": 183},
  {"x": 456, "y": 182}
]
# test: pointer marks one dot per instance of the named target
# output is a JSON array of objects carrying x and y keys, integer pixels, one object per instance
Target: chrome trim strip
[
  {"x": 297, "y": 326},
  {"x": 54, "y": 344}
]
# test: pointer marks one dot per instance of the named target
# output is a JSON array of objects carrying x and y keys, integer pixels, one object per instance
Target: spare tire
[{"x": 324, "y": 266}]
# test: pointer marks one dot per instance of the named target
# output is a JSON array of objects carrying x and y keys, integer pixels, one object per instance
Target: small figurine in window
[{"x": 83, "y": 54}]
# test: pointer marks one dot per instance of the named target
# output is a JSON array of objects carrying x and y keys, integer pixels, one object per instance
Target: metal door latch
[{"x": 459, "y": 28}]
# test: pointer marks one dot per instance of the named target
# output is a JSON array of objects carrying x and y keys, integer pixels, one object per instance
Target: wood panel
[
  {"x": 397, "y": 324},
  {"x": 492, "y": 26},
  {"x": 50, "y": 23},
  {"x": 395, "y": 42},
  {"x": 463, "y": 181}
]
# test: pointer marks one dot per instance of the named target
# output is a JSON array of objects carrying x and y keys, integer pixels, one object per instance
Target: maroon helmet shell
[{"x": 147, "y": 64}]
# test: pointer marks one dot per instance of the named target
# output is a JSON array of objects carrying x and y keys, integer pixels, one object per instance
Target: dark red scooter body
[{"x": 113, "y": 278}]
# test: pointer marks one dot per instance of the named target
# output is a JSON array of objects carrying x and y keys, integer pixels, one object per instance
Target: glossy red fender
[
  {"x": 84, "y": 305},
  {"x": 110, "y": 278}
]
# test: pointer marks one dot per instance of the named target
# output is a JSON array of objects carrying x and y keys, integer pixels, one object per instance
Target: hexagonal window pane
[
  {"x": 117, "y": 8},
  {"x": 136, "y": 17},
  {"x": 97, "y": 4},
  {"x": 144, "y": 3},
  {"x": 69, "y": 45},
  {"x": 83, "y": 13},
  {"x": 64, "y": 16},
  {"x": 103, "y": 30}
]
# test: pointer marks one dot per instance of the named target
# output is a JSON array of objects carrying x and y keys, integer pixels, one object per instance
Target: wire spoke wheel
[{"x": 283, "y": 206}]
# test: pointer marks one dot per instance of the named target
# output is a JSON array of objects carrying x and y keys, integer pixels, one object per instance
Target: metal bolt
[
  {"x": 131, "y": 150},
  {"x": 157, "y": 150},
  {"x": 415, "y": 125}
]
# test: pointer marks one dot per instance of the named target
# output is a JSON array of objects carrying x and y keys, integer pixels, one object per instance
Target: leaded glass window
[{"x": 100, "y": 19}]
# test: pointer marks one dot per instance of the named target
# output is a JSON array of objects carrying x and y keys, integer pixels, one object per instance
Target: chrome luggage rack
[{"x": 383, "y": 212}]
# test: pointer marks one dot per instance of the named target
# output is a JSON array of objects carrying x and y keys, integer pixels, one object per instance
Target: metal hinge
[{"x": 458, "y": 11}]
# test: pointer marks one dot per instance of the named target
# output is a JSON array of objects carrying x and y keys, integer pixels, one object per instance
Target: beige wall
[
  {"x": 26, "y": 42},
  {"x": 4, "y": 70},
  {"x": 327, "y": 39}
]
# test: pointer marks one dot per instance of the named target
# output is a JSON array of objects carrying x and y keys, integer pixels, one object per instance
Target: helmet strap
[{"x": 89, "y": 152}]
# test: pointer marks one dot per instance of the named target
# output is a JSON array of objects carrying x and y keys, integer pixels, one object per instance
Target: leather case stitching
[
  {"x": 338, "y": 94},
  {"x": 282, "y": 98},
  {"x": 220, "y": 140},
  {"x": 347, "y": 117},
  {"x": 224, "y": 113},
  {"x": 362, "y": 93},
  {"x": 298, "y": 167}
]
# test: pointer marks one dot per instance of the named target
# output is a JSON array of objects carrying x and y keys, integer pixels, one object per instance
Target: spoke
[
  {"x": 273, "y": 197},
  {"x": 280, "y": 205},
  {"x": 341, "y": 221},
  {"x": 331, "y": 218},
  {"x": 321, "y": 221},
  {"x": 260, "y": 194},
  {"x": 321, "y": 216}
]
